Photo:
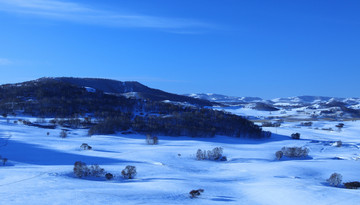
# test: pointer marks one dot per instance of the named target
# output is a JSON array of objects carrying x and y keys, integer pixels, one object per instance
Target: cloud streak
[
  {"x": 74, "y": 12},
  {"x": 4, "y": 61}
]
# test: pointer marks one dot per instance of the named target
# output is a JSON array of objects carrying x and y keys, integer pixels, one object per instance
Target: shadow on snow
[
  {"x": 217, "y": 139},
  {"x": 34, "y": 154}
]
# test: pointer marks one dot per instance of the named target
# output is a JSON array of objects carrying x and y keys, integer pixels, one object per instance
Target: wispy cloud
[
  {"x": 75, "y": 12},
  {"x": 4, "y": 61}
]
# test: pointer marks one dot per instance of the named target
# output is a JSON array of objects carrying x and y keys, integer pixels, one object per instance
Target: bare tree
[
  {"x": 63, "y": 134},
  {"x": 4, "y": 161},
  {"x": 279, "y": 155},
  {"x": 335, "y": 179},
  {"x": 129, "y": 172}
]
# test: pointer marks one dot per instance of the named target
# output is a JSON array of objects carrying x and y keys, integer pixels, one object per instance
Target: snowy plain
[{"x": 39, "y": 170}]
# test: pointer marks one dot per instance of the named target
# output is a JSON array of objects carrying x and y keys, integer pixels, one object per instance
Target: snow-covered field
[{"x": 39, "y": 170}]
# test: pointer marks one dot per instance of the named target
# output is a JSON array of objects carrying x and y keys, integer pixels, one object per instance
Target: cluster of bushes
[
  {"x": 151, "y": 140},
  {"x": 307, "y": 124},
  {"x": 81, "y": 170},
  {"x": 215, "y": 154},
  {"x": 336, "y": 180},
  {"x": 292, "y": 152}
]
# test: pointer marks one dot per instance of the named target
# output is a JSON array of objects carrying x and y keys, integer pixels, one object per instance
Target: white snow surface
[
  {"x": 39, "y": 170},
  {"x": 90, "y": 90}
]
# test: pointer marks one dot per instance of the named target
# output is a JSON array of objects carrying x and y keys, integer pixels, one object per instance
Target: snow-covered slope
[
  {"x": 224, "y": 98},
  {"x": 39, "y": 170}
]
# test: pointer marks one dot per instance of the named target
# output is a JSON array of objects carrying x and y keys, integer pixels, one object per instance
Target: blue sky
[{"x": 240, "y": 48}]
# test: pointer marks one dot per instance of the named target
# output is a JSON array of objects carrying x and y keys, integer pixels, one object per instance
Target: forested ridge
[{"x": 51, "y": 98}]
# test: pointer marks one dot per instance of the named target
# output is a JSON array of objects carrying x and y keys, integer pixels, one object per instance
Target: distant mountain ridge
[
  {"x": 330, "y": 106},
  {"x": 291, "y": 100}
]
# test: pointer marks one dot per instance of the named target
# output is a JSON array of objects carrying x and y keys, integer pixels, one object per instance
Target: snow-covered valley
[{"x": 39, "y": 169}]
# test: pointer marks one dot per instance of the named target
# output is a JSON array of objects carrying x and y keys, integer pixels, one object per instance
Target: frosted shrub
[
  {"x": 335, "y": 179},
  {"x": 279, "y": 155},
  {"x": 149, "y": 139},
  {"x": 96, "y": 171},
  {"x": 215, "y": 154},
  {"x": 200, "y": 155},
  {"x": 85, "y": 146},
  {"x": 295, "y": 151},
  {"x": 63, "y": 134},
  {"x": 80, "y": 169},
  {"x": 156, "y": 140},
  {"x": 152, "y": 140},
  {"x": 129, "y": 172},
  {"x": 195, "y": 193}
]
